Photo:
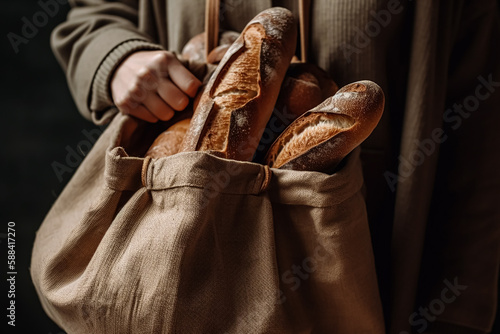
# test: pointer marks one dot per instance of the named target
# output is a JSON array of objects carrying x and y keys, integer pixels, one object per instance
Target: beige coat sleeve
[{"x": 89, "y": 45}]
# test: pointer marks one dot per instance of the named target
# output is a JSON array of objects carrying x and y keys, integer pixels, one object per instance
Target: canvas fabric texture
[
  {"x": 437, "y": 218},
  {"x": 193, "y": 243}
]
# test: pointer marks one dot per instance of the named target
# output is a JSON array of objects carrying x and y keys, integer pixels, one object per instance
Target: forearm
[{"x": 96, "y": 37}]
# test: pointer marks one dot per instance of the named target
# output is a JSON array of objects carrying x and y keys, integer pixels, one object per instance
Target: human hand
[{"x": 150, "y": 85}]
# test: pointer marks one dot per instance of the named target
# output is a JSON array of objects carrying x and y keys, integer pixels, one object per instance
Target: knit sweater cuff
[{"x": 101, "y": 103}]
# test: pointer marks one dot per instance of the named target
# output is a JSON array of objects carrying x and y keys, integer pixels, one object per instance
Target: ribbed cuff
[{"x": 101, "y": 103}]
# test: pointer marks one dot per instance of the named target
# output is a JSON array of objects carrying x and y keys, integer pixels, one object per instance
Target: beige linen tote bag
[{"x": 193, "y": 243}]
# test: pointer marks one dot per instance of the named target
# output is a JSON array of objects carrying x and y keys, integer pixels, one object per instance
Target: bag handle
[
  {"x": 304, "y": 11},
  {"x": 211, "y": 25},
  {"x": 212, "y": 9}
]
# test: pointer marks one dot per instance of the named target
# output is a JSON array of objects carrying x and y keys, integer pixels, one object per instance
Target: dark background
[
  {"x": 40, "y": 120},
  {"x": 40, "y": 123}
]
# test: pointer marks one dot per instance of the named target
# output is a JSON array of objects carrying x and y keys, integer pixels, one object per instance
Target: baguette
[
  {"x": 240, "y": 95},
  {"x": 304, "y": 87},
  {"x": 323, "y": 136},
  {"x": 170, "y": 140}
]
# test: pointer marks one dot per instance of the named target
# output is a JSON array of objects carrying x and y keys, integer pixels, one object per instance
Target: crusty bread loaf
[
  {"x": 304, "y": 87},
  {"x": 323, "y": 136},
  {"x": 240, "y": 96},
  {"x": 169, "y": 141},
  {"x": 216, "y": 55},
  {"x": 298, "y": 96},
  {"x": 194, "y": 50}
]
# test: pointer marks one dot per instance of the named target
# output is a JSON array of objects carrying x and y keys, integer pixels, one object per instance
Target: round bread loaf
[
  {"x": 194, "y": 50},
  {"x": 305, "y": 86},
  {"x": 169, "y": 141}
]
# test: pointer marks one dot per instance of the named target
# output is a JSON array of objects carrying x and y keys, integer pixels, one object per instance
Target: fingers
[
  {"x": 184, "y": 79},
  {"x": 140, "y": 112},
  {"x": 157, "y": 106},
  {"x": 151, "y": 85},
  {"x": 181, "y": 76},
  {"x": 172, "y": 95},
  {"x": 152, "y": 108}
]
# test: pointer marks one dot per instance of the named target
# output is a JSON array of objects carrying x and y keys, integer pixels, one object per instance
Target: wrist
[{"x": 101, "y": 102}]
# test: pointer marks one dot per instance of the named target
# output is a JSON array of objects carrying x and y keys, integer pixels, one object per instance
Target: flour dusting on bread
[
  {"x": 240, "y": 96},
  {"x": 323, "y": 136}
]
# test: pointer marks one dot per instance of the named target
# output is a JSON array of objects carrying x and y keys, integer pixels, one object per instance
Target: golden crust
[
  {"x": 305, "y": 86},
  {"x": 240, "y": 96},
  {"x": 169, "y": 142},
  {"x": 323, "y": 136},
  {"x": 309, "y": 132},
  {"x": 237, "y": 85}
]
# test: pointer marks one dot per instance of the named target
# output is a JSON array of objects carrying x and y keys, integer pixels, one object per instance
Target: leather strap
[
  {"x": 211, "y": 25},
  {"x": 144, "y": 171},
  {"x": 267, "y": 179},
  {"x": 304, "y": 14}
]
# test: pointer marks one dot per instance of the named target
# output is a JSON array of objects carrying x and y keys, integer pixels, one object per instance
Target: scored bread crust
[
  {"x": 305, "y": 86},
  {"x": 236, "y": 87},
  {"x": 240, "y": 96},
  {"x": 324, "y": 135}
]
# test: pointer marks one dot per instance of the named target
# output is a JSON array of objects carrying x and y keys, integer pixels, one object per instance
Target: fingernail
[
  {"x": 193, "y": 87},
  {"x": 170, "y": 114},
  {"x": 182, "y": 103}
]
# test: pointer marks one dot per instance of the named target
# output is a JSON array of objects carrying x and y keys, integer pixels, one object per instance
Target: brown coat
[{"x": 432, "y": 168}]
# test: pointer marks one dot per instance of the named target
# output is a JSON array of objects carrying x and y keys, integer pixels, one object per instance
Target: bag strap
[
  {"x": 211, "y": 25},
  {"x": 212, "y": 9},
  {"x": 304, "y": 12}
]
